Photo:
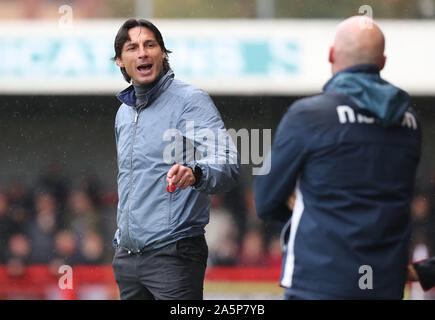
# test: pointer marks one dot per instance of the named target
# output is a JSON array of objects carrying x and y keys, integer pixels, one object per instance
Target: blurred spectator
[
  {"x": 252, "y": 219},
  {"x": 82, "y": 215},
  {"x": 18, "y": 254},
  {"x": 66, "y": 251},
  {"x": 41, "y": 229},
  {"x": 6, "y": 226},
  {"x": 221, "y": 223},
  {"x": 109, "y": 203},
  {"x": 430, "y": 194},
  {"x": 90, "y": 183},
  {"x": 253, "y": 253},
  {"x": 421, "y": 240},
  {"x": 52, "y": 180},
  {"x": 19, "y": 195},
  {"x": 269, "y": 228},
  {"x": 233, "y": 203},
  {"x": 274, "y": 250},
  {"x": 225, "y": 255},
  {"x": 19, "y": 247},
  {"x": 420, "y": 218},
  {"x": 20, "y": 215},
  {"x": 92, "y": 249},
  {"x": 104, "y": 204},
  {"x": 221, "y": 233}
]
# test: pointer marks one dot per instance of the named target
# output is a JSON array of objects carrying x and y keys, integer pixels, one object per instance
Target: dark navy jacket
[{"x": 351, "y": 155}]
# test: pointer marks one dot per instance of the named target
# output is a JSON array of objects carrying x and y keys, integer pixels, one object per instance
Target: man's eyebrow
[
  {"x": 150, "y": 40},
  {"x": 130, "y": 42}
]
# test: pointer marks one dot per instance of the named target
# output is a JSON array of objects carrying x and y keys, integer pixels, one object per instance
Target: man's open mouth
[{"x": 144, "y": 67}]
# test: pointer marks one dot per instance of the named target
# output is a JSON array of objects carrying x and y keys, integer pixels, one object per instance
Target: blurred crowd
[
  {"x": 54, "y": 222},
  {"x": 61, "y": 220},
  {"x": 423, "y": 221}
]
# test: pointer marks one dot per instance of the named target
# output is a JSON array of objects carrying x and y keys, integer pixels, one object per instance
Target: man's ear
[
  {"x": 382, "y": 63},
  {"x": 119, "y": 63},
  {"x": 331, "y": 54}
]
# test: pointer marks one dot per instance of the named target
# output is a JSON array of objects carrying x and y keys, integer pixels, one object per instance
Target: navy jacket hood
[{"x": 364, "y": 86}]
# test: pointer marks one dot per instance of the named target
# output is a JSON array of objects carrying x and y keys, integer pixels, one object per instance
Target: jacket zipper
[
  {"x": 131, "y": 171},
  {"x": 170, "y": 210},
  {"x": 131, "y": 160}
]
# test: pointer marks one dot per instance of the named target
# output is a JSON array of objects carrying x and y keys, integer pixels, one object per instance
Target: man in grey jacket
[{"x": 172, "y": 151}]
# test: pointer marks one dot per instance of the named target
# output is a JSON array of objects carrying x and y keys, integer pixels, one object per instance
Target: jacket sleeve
[
  {"x": 283, "y": 165},
  {"x": 426, "y": 272},
  {"x": 213, "y": 150}
]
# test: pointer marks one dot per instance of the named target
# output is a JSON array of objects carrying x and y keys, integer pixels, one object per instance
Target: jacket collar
[{"x": 128, "y": 95}]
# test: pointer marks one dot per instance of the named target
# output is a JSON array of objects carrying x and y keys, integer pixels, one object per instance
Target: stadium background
[{"x": 58, "y": 159}]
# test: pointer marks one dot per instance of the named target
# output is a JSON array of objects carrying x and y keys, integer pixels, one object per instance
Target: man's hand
[
  {"x": 180, "y": 176},
  {"x": 291, "y": 201},
  {"x": 412, "y": 274}
]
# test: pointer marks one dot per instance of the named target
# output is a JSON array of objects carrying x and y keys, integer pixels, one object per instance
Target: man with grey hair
[{"x": 351, "y": 155}]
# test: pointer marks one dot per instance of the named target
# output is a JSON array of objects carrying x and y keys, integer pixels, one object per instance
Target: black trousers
[{"x": 173, "y": 272}]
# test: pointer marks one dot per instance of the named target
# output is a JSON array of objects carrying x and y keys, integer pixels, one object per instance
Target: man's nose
[{"x": 143, "y": 52}]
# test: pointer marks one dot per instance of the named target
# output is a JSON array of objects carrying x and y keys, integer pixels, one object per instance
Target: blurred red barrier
[
  {"x": 42, "y": 282},
  {"x": 249, "y": 274},
  {"x": 98, "y": 282}
]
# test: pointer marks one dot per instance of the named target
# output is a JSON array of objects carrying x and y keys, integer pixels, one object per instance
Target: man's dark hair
[{"x": 122, "y": 37}]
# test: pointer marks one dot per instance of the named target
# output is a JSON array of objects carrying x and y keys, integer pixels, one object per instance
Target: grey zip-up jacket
[{"x": 178, "y": 124}]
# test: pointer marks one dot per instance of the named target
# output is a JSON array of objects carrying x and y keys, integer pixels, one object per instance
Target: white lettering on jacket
[{"x": 348, "y": 115}]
